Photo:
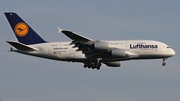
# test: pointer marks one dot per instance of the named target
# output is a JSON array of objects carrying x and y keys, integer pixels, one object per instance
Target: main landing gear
[
  {"x": 164, "y": 63},
  {"x": 93, "y": 65}
]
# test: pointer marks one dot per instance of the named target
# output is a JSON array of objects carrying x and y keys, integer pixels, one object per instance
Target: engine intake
[
  {"x": 120, "y": 53},
  {"x": 101, "y": 45}
]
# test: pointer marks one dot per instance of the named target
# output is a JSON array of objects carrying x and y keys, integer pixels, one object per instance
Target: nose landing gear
[{"x": 164, "y": 63}]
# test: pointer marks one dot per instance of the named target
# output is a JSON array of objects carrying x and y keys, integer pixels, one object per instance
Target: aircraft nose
[{"x": 172, "y": 52}]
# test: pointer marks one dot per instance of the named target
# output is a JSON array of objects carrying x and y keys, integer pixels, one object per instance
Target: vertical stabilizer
[{"x": 24, "y": 33}]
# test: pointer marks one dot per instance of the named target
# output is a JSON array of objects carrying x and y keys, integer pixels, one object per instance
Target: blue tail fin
[{"x": 24, "y": 33}]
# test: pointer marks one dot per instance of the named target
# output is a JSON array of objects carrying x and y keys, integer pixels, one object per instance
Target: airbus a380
[{"x": 92, "y": 53}]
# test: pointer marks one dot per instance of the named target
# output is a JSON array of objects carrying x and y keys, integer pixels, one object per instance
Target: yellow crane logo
[{"x": 21, "y": 29}]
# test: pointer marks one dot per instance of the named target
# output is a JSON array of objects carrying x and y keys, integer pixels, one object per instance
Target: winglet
[{"x": 59, "y": 30}]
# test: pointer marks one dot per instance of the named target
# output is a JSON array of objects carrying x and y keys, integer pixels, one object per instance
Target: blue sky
[{"x": 27, "y": 78}]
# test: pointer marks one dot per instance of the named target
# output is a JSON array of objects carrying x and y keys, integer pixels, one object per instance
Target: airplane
[{"x": 92, "y": 53}]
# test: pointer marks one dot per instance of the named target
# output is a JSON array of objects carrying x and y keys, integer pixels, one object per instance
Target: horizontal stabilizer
[{"x": 21, "y": 46}]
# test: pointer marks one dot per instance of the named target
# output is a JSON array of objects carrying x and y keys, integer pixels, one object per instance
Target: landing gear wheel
[
  {"x": 98, "y": 68},
  {"x": 164, "y": 63},
  {"x": 92, "y": 65}
]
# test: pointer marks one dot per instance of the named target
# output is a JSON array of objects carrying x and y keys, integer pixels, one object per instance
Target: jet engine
[
  {"x": 101, "y": 45},
  {"x": 120, "y": 53},
  {"x": 113, "y": 64}
]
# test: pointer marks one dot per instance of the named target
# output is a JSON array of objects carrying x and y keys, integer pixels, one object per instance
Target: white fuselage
[
  {"x": 140, "y": 49},
  {"x": 92, "y": 53}
]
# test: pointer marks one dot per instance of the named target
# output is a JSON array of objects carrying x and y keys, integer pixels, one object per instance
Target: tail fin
[{"x": 24, "y": 33}]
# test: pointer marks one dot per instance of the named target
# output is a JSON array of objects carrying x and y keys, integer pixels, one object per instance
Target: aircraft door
[
  {"x": 71, "y": 54},
  {"x": 70, "y": 51},
  {"x": 160, "y": 49}
]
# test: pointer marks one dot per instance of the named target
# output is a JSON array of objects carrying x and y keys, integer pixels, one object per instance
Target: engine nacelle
[
  {"x": 101, "y": 45},
  {"x": 113, "y": 64},
  {"x": 120, "y": 53}
]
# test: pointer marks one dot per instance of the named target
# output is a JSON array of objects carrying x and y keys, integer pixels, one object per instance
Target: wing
[
  {"x": 74, "y": 36},
  {"x": 84, "y": 44},
  {"x": 94, "y": 49}
]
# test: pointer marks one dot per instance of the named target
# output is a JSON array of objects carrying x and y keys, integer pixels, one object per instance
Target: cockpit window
[{"x": 168, "y": 47}]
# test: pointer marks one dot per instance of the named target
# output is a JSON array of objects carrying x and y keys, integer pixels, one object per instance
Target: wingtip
[{"x": 59, "y": 30}]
